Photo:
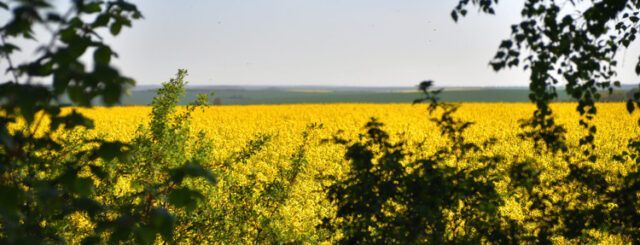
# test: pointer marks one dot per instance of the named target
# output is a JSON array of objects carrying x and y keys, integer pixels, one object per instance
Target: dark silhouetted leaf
[
  {"x": 191, "y": 169},
  {"x": 102, "y": 55},
  {"x": 115, "y": 28},
  {"x": 185, "y": 198},
  {"x": 92, "y": 8},
  {"x": 110, "y": 150}
]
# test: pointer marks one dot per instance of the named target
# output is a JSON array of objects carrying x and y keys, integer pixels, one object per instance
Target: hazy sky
[{"x": 319, "y": 42}]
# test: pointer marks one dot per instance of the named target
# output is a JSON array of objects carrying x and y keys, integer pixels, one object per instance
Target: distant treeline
[
  {"x": 241, "y": 96},
  {"x": 614, "y": 96},
  {"x": 618, "y": 96}
]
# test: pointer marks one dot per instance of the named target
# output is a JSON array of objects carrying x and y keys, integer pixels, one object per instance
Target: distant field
[
  {"x": 278, "y": 96},
  {"x": 322, "y": 96}
]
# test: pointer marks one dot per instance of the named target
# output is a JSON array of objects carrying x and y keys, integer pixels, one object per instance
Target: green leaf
[
  {"x": 98, "y": 171},
  {"x": 76, "y": 22},
  {"x": 78, "y": 46},
  {"x": 122, "y": 226},
  {"x": 36, "y": 69},
  {"x": 77, "y": 95},
  {"x": 74, "y": 119},
  {"x": 191, "y": 169},
  {"x": 101, "y": 20},
  {"x": 112, "y": 93},
  {"x": 91, "y": 240},
  {"x": 146, "y": 234},
  {"x": 53, "y": 17},
  {"x": 92, "y": 8},
  {"x": 630, "y": 106},
  {"x": 110, "y": 150},
  {"x": 163, "y": 221},
  {"x": 506, "y": 44},
  {"x": 81, "y": 186},
  {"x": 8, "y": 48},
  {"x": 89, "y": 205},
  {"x": 115, "y": 28},
  {"x": 5, "y": 137},
  {"x": 102, "y": 55},
  {"x": 68, "y": 35},
  {"x": 46, "y": 144},
  {"x": 185, "y": 198},
  {"x": 61, "y": 79},
  {"x": 11, "y": 198}
]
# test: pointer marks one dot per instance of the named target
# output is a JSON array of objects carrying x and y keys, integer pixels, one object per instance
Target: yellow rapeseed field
[{"x": 232, "y": 127}]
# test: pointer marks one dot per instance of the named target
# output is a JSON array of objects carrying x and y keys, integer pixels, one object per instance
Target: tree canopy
[
  {"x": 574, "y": 42},
  {"x": 42, "y": 184}
]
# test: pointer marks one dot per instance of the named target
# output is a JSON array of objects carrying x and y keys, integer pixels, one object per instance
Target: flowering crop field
[{"x": 232, "y": 128}]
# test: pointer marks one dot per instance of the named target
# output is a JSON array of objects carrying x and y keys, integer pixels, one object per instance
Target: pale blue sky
[{"x": 318, "y": 42}]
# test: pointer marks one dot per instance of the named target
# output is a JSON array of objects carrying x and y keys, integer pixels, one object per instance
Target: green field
[{"x": 275, "y": 96}]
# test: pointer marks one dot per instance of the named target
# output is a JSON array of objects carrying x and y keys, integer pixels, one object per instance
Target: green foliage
[
  {"x": 46, "y": 184},
  {"x": 450, "y": 197},
  {"x": 577, "y": 46},
  {"x": 386, "y": 199},
  {"x": 43, "y": 187},
  {"x": 166, "y": 162},
  {"x": 580, "y": 49},
  {"x": 169, "y": 171}
]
